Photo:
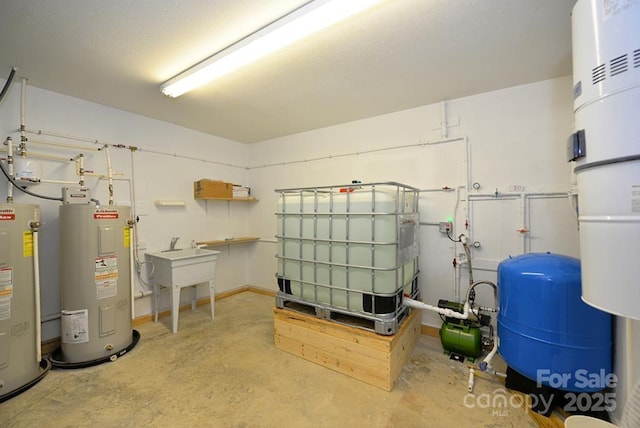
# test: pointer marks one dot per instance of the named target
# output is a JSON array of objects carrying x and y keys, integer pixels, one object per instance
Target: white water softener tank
[
  {"x": 606, "y": 148},
  {"x": 19, "y": 338},
  {"x": 95, "y": 281}
]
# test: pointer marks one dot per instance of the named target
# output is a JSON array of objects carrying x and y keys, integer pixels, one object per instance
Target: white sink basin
[
  {"x": 180, "y": 268},
  {"x": 183, "y": 268}
]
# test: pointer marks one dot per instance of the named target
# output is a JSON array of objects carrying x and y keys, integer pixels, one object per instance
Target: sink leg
[
  {"x": 212, "y": 297},
  {"x": 194, "y": 294},
  {"x": 175, "y": 308},
  {"x": 156, "y": 301}
]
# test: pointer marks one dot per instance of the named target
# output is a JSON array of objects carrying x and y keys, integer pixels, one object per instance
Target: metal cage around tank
[{"x": 349, "y": 250}]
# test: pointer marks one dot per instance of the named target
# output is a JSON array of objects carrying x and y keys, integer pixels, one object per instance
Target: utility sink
[
  {"x": 181, "y": 267},
  {"x": 176, "y": 269}
]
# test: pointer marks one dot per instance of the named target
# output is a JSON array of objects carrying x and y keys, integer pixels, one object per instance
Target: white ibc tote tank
[
  {"x": 95, "y": 282},
  {"x": 606, "y": 148},
  {"x": 21, "y": 365}
]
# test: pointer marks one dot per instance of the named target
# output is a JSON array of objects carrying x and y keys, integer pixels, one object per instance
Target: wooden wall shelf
[
  {"x": 249, "y": 199},
  {"x": 230, "y": 241}
]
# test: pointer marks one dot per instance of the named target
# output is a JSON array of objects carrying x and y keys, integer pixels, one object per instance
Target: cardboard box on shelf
[
  {"x": 240, "y": 191},
  {"x": 206, "y": 188}
]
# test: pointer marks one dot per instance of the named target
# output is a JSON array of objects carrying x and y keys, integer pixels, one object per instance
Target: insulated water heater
[
  {"x": 19, "y": 306},
  {"x": 606, "y": 151},
  {"x": 95, "y": 281}
]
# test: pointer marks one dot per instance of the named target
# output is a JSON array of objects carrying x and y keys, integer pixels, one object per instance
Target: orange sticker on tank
[
  {"x": 101, "y": 215},
  {"x": 7, "y": 214}
]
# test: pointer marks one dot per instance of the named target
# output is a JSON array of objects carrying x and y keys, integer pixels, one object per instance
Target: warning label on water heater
[
  {"x": 7, "y": 214},
  {"x": 6, "y": 292},
  {"x": 27, "y": 243},
  {"x": 75, "y": 326},
  {"x": 6, "y": 282},
  {"x": 105, "y": 214},
  {"x": 106, "y": 277}
]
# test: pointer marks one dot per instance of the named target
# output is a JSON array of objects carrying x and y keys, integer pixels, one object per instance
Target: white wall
[
  {"x": 157, "y": 176},
  {"x": 516, "y": 139}
]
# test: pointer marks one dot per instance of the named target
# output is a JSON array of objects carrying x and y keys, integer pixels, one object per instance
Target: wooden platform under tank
[{"x": 369, "y": 357}]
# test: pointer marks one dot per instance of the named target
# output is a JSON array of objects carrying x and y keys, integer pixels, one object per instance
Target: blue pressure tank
[{"x": 547, "y": 333}]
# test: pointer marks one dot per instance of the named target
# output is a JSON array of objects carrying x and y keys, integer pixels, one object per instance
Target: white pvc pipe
[
  {"x": 43, "y": 156},
  {"x": 471, "y": 381},
  {"x": 64, "y": 145},
  {"x": 486, "y": 363},
  {"x": 68, "y": 137},
  {"x": 515, "y": 195},
  {"x": 457, "y": 279},
  {"x": 444, "y": 131},
  {"x": 57, "y": 182},
  {"x": 134, "y": 210},
  {"x": 23, "y": 99},
  {"x": 80, "y": 168},
  {"x": 142, "y": 294},
  {"x": 9, "y": 142},
  {"x": 437, "y": 189},
  {"x": 157, "y": 152},
  {"x": 469, "y": 187},
  {"x": 36, "y": 280},
  {"x": 442, "y": 311},
  {"x": 524, "y": 230},
  {"x": 131, "y": 273},
  {"x": 109, "y": 174}
]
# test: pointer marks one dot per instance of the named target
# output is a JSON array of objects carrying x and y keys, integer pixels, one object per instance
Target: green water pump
[{"x": 460, "y": 336}]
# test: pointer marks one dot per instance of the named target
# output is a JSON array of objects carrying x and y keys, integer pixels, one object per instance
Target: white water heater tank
[
  {"x": 606, "y": 149},
  {"x": 19, "y": 316},
  {"x": 95, "y": 281}
]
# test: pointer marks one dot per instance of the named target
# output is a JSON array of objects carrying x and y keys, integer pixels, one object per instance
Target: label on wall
[
  {"x": 27, "y": 243},
  {"x": 106, "y": 277},
  {"x": 75, "y": 326}
]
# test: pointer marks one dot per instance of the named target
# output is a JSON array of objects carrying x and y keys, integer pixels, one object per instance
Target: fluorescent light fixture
[{"x": 308, "y": 19}]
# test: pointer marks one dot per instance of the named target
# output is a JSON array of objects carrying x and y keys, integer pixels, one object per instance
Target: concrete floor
[{"x": 227, "y": 373}]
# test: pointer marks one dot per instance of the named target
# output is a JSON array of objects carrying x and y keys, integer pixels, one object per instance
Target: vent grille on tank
[
  {"x": 598, "y": 74},
  {"x": 618, "y": 65}
]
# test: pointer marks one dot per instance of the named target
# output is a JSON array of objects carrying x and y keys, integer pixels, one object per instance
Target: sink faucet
[{"x": 174, "y": 240}]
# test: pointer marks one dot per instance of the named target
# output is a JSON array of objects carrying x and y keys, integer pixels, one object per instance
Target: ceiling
[{"x": 400, "y": 54}]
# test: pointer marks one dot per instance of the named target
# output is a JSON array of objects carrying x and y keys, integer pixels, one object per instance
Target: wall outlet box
[{"x": 445, "y": 226}]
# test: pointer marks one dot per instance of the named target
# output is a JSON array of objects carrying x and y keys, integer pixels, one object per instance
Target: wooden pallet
[{"x": 369, "y": 357}]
